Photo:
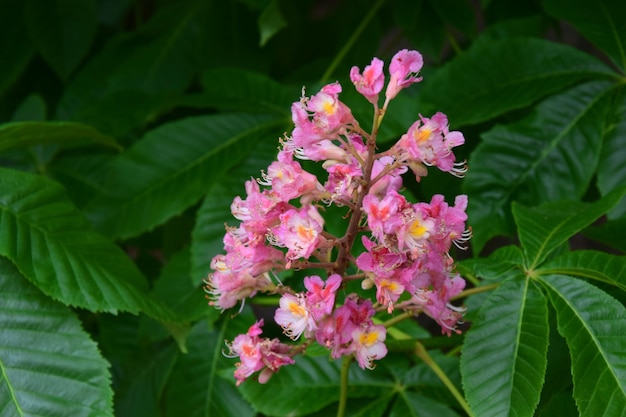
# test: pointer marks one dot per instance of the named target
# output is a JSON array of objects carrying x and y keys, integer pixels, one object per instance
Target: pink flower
[
  {"x": 293, "y": 316},
  {"x": 242, "y": 271},
  {"x": 258, "y": 354},
  {"x": 320, "y": 297},
  {"x": 412, "y": 229},
  {"x": 403, "y": 70},
  {"x": 429, "y": 141},
  {"x": 368, "y": 343},
  {"x": 385, "y": 183},
  {"x": 287, "y": 178},
  {"x": 371, "y": 82},
  {"x": 380, "y": 212},
  {"x": 259, "y": 212},
  {"x": 343, "y": 181},
  {"x": 299, "y": 231},
  {"x": 436, "y": 303}
]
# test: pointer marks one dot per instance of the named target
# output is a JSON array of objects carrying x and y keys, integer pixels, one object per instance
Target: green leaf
[
  {"x": 411, "y": 404},
  {"x": 25, "y": 134},
  {"x": 142, "y": 72},
  {"x": 311, "y": 384},
  {"x": 208, "y": 233},
  {"x": 503, "y": 263},
  {"x": 493, "y": 78},
  {"x": 62, "y": 31},
  {"x": 171, "y": 168},
  {"x": 32, "y": 108},
  {"x": 544, "y": 228},
  {"x": 15, "y": 56},
  {"x": 52, "y": 244},
  {"x": 270, "y": 22},
  {"x": 594, "y": 325},
  {"x": 503, "y": 360},
  {"x": 459, "y": 14},
  {"x": 236, "y": 89},
  {"x": 590, "y": 264},
  {"x": 196, "y": 378},
  {"x": 48, "y": 364},
  {"x": 603, "y": 22},
  {"x": 549, "y": 155},
  {"x": 612, "y": 170},
  {"x": 186, "y": 297},
  {"x": 605, "y": 233},
  {"x": 150, "y": 372}
]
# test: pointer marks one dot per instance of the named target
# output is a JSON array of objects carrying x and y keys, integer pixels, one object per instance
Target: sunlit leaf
[
  {"x": 48, "y": 364},
  {"x": 594, "y": 325},
  {"x": 503, "y": 360}
]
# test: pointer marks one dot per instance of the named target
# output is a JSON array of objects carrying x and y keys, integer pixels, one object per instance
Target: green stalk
[
  {"x": 422, "y": 353},
  {"x": 346, "y": 47},
  {"x": 343, "y": 392}
]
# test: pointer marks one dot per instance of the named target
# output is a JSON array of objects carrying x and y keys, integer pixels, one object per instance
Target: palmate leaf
[
  {"x": 542, "y": 229},
  {"x": 594, "y": 325},
  {"x": 612, "y": 170},
  {"x": 24, "y": 134},
  {"x": 516, "y": 71},
  {"x": 48, "y": 364},
  {"x": 603, "y": 22},
  {"x": 590, "y": 264},
  {"x": 549, "y": 155},
  {"x": 52, "y": 244},
  {"x": 172, "y": 167},
  {"x": 503, "y": 360}
]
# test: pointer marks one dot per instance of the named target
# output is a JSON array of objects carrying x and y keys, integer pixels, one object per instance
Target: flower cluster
[{"x": 407, "y": 244}]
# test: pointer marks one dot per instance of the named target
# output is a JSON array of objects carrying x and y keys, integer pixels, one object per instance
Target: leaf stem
[
  {"x": 475, "y": 290},
  {"x": 346, "y": 47},
  {"x": 343, "y": 392},
  {"x": 422, "y": 353}
]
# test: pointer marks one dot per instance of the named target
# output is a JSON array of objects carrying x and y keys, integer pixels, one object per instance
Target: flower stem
[
  {"x": 422, "y": 353},
  {"x": 346, "y": 47},
  {"x": 343, "y": 392}
]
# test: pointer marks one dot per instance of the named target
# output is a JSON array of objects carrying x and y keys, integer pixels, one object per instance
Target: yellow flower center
[
  {"x": 368, "y": 339},
  {"x": 417, "y": 229}
]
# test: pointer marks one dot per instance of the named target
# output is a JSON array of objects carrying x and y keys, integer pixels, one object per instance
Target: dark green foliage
[{"x": 128, "y": 126}]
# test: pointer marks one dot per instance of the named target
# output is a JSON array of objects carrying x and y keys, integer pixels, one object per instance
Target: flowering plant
[{"x": 407, "y": 245}]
